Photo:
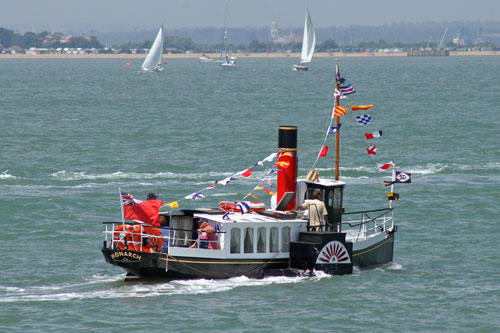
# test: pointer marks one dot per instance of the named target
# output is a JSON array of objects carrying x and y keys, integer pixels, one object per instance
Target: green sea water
[{"x": 73, "y": 131}]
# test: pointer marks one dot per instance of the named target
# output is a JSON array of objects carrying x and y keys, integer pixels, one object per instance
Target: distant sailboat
[
  {"x": 308, "y": 44},
  {"x": 153, "y": 62},
  {"x": 205, "y": 58},
  {"x": 225, "y": 61}
]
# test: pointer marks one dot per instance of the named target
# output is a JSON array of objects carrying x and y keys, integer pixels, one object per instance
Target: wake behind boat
[
  {"x": 153, "y": 61},
  {"x": 249, "y": 239},
  {"x": 308, "y": 44}
]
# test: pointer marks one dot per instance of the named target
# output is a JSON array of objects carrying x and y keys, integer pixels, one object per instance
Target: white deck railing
[{"x": 365, "y": 224}]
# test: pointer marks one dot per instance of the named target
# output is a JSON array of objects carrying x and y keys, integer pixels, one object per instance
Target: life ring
[
  {"x": 139, "y": 233},
  {"x": 119, "y": 241},
  {"x": 227, "y": 206},
  {"x": 134, "y": 239},
  {"x": 155, "y": 242}
]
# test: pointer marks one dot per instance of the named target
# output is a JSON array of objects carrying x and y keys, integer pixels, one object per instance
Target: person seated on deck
[
  {"x": 207, "y": 238},
  {"x": 316, "y": 211},
  {"x": 165, "y": 232}
]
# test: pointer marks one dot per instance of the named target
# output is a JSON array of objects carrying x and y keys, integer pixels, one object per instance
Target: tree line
[{"x": 9, "y": 38}]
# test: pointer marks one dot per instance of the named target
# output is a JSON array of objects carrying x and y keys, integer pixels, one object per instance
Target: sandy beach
[{"x": 238, "y": 55}]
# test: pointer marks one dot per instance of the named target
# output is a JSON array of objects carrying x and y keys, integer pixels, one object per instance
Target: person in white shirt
[{"x": 317, "y": 211}]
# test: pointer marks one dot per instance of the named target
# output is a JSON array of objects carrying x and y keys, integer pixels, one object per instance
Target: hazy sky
[{"x": 122, "y": 15}]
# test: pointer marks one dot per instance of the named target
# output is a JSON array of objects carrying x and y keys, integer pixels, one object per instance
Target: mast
[
  {"x": 224, "y": 37},
  {"x": 337, "y": 134}
]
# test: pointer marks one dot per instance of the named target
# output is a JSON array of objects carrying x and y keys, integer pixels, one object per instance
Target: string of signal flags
[
  {"x": 338, "y": 111},
  {"x": 244, "y": 173}
]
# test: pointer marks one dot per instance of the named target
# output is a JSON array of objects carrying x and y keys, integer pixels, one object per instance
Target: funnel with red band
[{"x": 287, "y": 162}]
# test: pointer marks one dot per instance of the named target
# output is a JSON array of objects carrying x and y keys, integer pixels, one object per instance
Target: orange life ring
[
  {"x": 155, "y": 242},
  {"x": 136, "y": 235},
  {"x": 120, "y": 242},
  {"x": 134, "y": 238},
  {"x": 227, "y": 206}
]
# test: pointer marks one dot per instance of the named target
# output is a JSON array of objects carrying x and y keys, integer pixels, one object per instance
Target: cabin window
[
  {"x": 274, "y": 239},
  {"x": 261, "y": 240},
  {"x": 330, "y": 198},
  {"x": 248, "y": 242},
  {"x": 338, "y": 198},
  {"x": 285, "y": 238},
  {"x": 235, "y": 240}
]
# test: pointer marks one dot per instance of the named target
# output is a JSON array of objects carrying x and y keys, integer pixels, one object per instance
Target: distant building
[
  {"x": 277, "y": 39},
  {"x": 458, "y": 40}
]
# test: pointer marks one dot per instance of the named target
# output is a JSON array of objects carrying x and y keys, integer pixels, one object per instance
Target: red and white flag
[
  {"x": 336, "y": 93},
  {"x": 384, "y": 166},
  {"x": 373, "y": 135},
  {"x": 247, "y": 173},
  {"x": 372, "y": 150}
]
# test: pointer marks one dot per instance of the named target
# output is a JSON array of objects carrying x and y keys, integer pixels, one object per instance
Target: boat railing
[
  {"x": 128, "y": 238},
  {"x": 362, "y": 224}
]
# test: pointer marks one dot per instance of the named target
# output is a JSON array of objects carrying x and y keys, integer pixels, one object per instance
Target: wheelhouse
[{"x": 332, "y": 193}]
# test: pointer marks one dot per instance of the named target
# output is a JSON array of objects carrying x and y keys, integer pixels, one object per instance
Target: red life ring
[{"x": 227, "y": 206}]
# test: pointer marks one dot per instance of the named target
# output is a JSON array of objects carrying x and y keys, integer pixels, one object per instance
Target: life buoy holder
[{"x": 228, "y": 206}]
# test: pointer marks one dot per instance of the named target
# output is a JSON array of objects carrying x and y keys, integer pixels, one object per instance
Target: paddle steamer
[{"x": 261, "y": 242}]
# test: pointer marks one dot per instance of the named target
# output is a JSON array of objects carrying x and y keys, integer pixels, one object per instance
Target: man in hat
[
  {"x": 161, "y": 220},
  {"x": 151, "y": 196}
]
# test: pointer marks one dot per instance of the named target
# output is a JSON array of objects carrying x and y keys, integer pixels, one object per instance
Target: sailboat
[
  {"x": 226, "y": 62},
  {"x": 153, "y": 62},
  {"x": 249, "y": 239},
  {"x": 308, "y": 44}
]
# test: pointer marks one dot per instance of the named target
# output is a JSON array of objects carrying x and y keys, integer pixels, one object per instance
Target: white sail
[
  {"x": 153, "y": 59},
  {"x": 308, "y": 41}
]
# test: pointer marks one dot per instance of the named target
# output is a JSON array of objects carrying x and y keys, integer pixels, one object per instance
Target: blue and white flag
[
  {"x": 347, "y": 90},
  {"x": 194, "y": 196},
  {"x": 225, "y": 181},
  {"x": 226, "y": 217},
  {"x": 363, "y": 120},
  {"x": 243, "y": 206},
  {"x": 333, "y": 129}
]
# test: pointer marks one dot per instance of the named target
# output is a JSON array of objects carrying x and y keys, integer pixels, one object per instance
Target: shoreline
[{"x": 238, "y": 55}]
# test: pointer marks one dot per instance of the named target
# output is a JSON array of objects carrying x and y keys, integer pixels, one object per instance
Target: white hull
[
  {"x": 231, "y": 65},
  {"x": 300, "y": 68}
]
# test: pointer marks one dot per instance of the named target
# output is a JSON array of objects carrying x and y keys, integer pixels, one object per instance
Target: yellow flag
[
  {"x": 256, "y": 197},
  {"x": 173, "y": 204},
  {"x": 392, "y": 196},
  {"x": 265, "y": 189},
  {"x": 361, "y": 107}
]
